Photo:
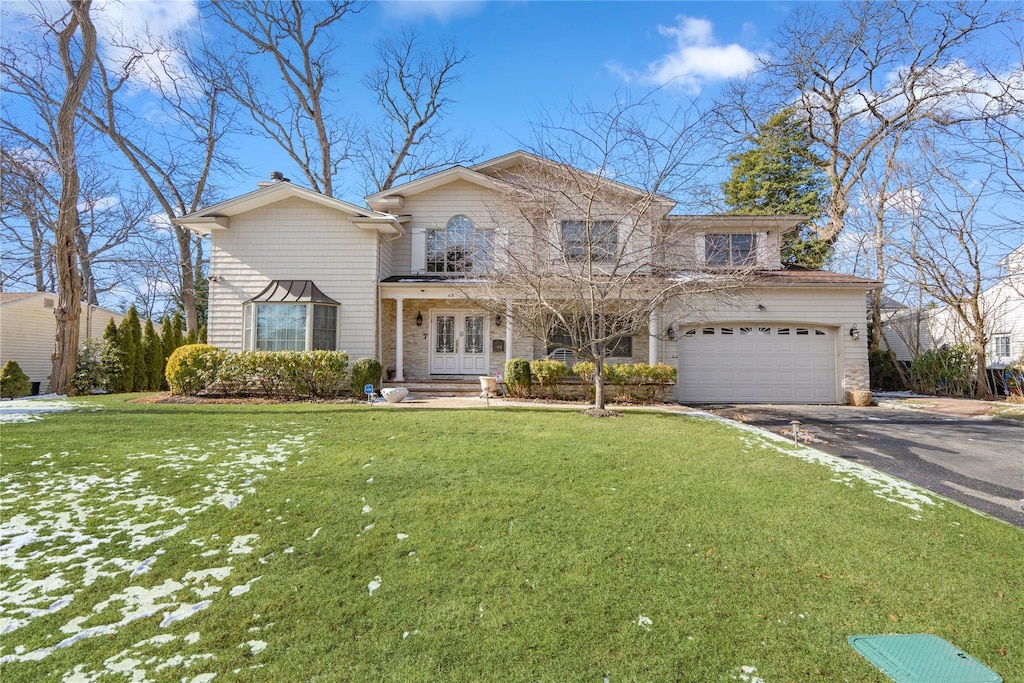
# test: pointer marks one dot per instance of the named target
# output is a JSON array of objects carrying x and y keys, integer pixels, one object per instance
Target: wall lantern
[
  {"x": 419, "y": 319},
  {"x": 854, "y": 332},
  {"x": 497, "y": 320},
  {"x": 761, "y": 307},
  {"x": 670, "y": 333}
]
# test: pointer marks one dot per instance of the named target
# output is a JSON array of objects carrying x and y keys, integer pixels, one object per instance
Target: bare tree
[
  {"x": 77, "y": 62},
  {"x": 177, "y": 166},
  {"x": 27, "y": 212},
  {"x": 949, "y": 245},
  {"x": 302, "y": 114},
  {"x": 861, "y": 74},
  {"x": 411, "y": 87},
  {"x": 583, "y": 252}
]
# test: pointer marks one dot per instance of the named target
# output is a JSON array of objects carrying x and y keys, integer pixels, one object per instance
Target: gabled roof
[
  {"x": 218, "y": 216},
  {"x": 736, "y": 221},
  {"x": 392, "y": 197},
  {"x": 12, "y": 297},
  {"x": 521, "y": 158},
  {"x": 485, "y": 174}
]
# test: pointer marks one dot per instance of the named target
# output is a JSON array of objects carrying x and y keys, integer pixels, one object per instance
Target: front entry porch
[{"x": 430, "y": 331}]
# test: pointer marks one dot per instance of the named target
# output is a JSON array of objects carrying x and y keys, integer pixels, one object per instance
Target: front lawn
[{"x": 333, "y": 543}]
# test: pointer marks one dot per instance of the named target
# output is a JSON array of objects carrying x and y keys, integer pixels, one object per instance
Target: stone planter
[
  {"x": 394, "y": 395},
  {"x": 858, "y": 398}
]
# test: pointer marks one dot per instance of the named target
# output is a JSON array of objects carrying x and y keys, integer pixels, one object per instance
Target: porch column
[
  {"x": 652, "y": 340},
  {"x": 508, "y": 332},
  {"x": 399, "y": 342}
]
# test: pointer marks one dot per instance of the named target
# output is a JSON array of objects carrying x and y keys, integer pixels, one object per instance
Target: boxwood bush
[
  {"x": 193, "y": 367},
  {"x": 549, "y": 374}
]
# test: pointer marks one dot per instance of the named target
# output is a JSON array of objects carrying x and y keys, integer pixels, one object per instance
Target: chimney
[{"x": 275, "y": 178}]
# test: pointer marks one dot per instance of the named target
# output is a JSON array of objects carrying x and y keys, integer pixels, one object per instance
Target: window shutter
[{"x": 419, "y": 251}]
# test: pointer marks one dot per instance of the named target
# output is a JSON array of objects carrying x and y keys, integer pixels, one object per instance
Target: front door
[{"x": 458, "y": 343}]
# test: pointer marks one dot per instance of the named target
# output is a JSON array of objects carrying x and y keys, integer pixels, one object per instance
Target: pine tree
[
  {"x": 167, "y": 336},
  {"x": 178, "y": 329},
  {"x": 117, "y": 371},
  {"x": 130, "y": 336},
  {"x": 153, "y": 352},
  {"x": 780, "y": 175}
]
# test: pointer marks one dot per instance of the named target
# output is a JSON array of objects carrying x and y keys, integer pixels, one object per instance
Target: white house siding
[
  {"x": 387, "y": 259},
  {"x": 434, "y": 209},
  {"x": 28, "y": 330},
  {"x": 295, "y": 240},
  {"x": 832, "y": 307}
]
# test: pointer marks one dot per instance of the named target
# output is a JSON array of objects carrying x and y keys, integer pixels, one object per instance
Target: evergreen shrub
[
  {"x": 518, "y": 377},
  {"x": 191, "y": 368},
  {"x": 13, "y": 381},
  {"x": 366, "y": 371}
]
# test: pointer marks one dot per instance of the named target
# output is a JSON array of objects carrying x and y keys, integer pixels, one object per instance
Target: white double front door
[{"x": 458, "y": 343}]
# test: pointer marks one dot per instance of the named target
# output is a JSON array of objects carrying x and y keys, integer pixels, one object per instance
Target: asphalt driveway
[{"x": 979, "y": 463}]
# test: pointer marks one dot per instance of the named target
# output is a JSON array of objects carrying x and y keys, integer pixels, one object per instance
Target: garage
[{"x": 749, "y": 363}]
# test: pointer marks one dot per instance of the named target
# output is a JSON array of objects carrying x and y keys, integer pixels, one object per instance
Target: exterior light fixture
[
  {"x": 419, "y": 319},
  {"x": 670, "y": 333},
  {"x": 497, "y": 320},
  {"x": 761, "y": 307},
  {"x": 854, "y": 332}
]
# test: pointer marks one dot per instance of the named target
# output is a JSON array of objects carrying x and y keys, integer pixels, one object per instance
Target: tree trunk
[
  {"x": 69, "y": 283},
  {"x": 85, "y": 263},
  {"x": 188, "y": 279},
  {"x": 981, "y": 389},
  {"x": 599, "y": 402}
]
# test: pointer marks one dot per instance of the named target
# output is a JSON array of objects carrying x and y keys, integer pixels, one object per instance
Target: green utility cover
[{"x": 922, "y": 658}]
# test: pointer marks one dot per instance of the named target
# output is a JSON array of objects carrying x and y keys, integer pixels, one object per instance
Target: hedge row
[
  {"x": 631, "y": 381},
  {"x": 200, "y": 368}
]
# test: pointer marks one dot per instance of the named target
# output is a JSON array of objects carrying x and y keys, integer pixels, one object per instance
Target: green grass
[{"x": 536, "y": 542}]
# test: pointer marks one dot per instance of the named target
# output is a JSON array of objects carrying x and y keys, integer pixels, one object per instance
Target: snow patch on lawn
[
  {"x": 847, "y": 473},
  {"x": 75, "y": 524},
  {"x": 34, "y": 408}
]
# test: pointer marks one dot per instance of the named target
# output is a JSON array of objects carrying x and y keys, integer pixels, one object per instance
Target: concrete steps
[{"x": 439, "y": 388}]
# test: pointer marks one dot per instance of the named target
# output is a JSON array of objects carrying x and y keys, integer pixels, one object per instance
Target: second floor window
[
  {"x": 729, "y": 250},
  {"x": 459, "y": 248},
  {"x": 600, "y": 244}
]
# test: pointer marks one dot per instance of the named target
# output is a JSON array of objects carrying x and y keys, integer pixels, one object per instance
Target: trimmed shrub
[
  {"x": 254, "y": 373},
  {"x": 518, "y": 378},
  {"x": 13, "y": 381},
  {"x": 366, "y": 371},
  {"x": 98, "y": 367},
  {"x": 585, "y": 371},
  {"x": 316, "y": 374},
  {"x": 191, "y": 368},
  {"x": 549, "y": 374}
]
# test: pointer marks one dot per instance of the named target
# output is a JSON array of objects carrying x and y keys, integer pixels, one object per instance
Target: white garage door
[{"x": 757, "y": 364}]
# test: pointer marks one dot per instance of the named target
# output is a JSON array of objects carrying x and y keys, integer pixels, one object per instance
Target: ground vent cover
[{"x": 922, "y": 658}]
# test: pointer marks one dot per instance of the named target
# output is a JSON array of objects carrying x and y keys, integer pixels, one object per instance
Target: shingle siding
[{"x": 295, "y": 240}]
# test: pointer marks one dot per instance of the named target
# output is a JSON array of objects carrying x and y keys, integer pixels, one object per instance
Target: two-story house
[{"x": 291, "y": 269}]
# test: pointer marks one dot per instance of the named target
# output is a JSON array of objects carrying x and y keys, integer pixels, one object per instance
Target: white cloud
[
  {"x": 697, "y": 58},
  {"x": 440, "y": 10},
  {"x": 147, "y": 26}
]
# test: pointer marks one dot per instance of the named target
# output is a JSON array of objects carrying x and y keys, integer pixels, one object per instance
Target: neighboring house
[
  {"x": 28, "y": 332},
  {"x": 291, "y": 269},
  {"x": 910, "y": 332}
]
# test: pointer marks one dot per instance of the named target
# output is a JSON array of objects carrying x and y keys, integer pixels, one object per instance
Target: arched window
[{"x": 460, "y": 247}]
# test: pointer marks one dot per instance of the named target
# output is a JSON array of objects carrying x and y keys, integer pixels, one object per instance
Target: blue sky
[{"x": 531, "y": 56}]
